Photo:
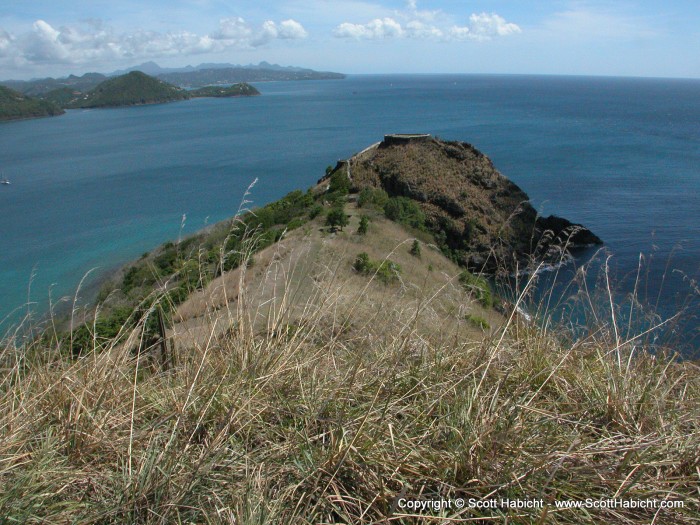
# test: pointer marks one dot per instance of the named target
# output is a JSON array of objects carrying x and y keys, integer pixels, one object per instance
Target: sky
[{"x": 650, "y": 38}]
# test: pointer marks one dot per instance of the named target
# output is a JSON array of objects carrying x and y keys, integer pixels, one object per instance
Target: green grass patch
[{"x": 478, "y": 287}]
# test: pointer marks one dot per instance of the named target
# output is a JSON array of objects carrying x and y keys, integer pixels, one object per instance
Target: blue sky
[{"x": 579, "y": 37}]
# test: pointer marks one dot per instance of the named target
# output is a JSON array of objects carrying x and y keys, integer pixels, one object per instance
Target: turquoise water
[{"x": 95, "y": 188}]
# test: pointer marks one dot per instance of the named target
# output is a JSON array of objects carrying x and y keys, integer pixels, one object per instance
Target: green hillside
[
  {"x": 14, "y": 106},
  {"x": 237, "y": 90},
  {"x": 132, "y": 89},
  {"x": 63, "y": 97}
]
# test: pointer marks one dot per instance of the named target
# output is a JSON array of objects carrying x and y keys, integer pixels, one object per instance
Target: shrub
[
  {"x": 405, "y": 211},
  {"x": 478, "y": 287},
  {"x": 336, "y": 219},
  {"x": 364, "y": 225},
  {"x": 478, "y": 321},
  {"x": 415, "y": 248},
  {"x": 340, "y": 183},
  {"x": 372, "y": 196},
  {"x": 315, "y": 211},
  {"x": 295, "y": 223},
  {"x": 362, "y": 263},
  {"x": 386, "y": 271}
]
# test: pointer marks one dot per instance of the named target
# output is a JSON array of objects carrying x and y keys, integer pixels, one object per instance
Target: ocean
[{"x": 94, "y": 189}]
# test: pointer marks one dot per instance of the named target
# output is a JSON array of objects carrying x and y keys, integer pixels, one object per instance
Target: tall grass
[{"x": 327, "y": 409}]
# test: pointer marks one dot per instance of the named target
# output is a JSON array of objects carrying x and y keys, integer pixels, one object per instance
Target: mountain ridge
[{"x": 190, "y": 76}]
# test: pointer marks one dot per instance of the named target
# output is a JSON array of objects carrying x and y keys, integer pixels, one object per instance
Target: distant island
[
  {"x": 237, "y": 90},
  {"x": 188, "y": 77},
  {"x": 132, "y": 89},
  {"x": 232, "y": 75}
]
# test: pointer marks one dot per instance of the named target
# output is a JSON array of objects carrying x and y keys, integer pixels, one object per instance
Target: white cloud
[
  {"x": 92, "y": 42},
  {"x": 377, "y": 28},
  {"x": 291, "y": 30},
  {"x": 285, "y": 30},
  {"x": 417, "y": 29},
  {"x": 484, "y": 26},
  {"x": 489, "y": 25},
  {"x": 423, "y": 24},
  {"x": 233, "y": 29}
]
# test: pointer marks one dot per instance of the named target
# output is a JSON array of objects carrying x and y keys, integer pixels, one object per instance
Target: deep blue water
[{"x": 96, "y": 188}]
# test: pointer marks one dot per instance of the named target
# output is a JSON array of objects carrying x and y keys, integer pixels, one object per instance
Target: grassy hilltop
[
  {"x": 320, "y": 358},
  {"x": 132, "y": 89}
]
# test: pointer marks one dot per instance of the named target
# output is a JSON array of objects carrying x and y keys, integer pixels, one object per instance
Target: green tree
[
  {"x": 336, "y": 219},
  {"x": 362, "y": 263},
  {"x": 364, "y": 224},
  {"x": 339, "y": 184},
  {"x": 415, "y": 248}
]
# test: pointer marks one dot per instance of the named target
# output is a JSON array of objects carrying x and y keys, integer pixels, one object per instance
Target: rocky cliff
[{"x": 483, "y": 219}]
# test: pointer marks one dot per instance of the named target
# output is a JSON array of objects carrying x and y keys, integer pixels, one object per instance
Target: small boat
[{"x": 5, "y": 181}]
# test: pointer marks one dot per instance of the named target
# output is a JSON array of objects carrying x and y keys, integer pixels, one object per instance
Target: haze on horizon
[{"x": 648, "y": 38}]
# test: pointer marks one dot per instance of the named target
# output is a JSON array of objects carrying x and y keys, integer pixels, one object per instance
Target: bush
[
  {"x": 364, "y": 225},
  {"x": 415, "y": 248},
  {"x": 362, "y": 263},
  {"x": 315, "y": 211},
  {"x": 386, "y": 271},
  {"x": 405, "y": 211},
  {"x": 371, "y": 196},
  {"x": 295, "y": 223},
  {"x": 478, "y": 321},
  {"x": 340, "y": 184},
  {"x": 337, "y": 219},
  {"x": 478, "y": 287}
]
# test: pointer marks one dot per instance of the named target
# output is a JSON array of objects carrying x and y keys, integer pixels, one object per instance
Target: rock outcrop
[{"x": 485, "y": 221}]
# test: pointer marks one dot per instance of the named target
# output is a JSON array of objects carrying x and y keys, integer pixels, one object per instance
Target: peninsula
[
  {"x": 131, "y": 89},
  {"x": 331, "y": 358},
  {"x": 16, "y": 106}
]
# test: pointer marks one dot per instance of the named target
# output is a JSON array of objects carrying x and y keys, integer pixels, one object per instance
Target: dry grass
[{"x": 318, "y": 396}]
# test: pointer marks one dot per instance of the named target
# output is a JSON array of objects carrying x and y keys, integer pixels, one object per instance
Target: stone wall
[{"x": 405, "y": 138}]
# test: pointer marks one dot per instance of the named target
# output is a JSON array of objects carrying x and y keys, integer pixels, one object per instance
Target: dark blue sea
[{"x": 95, "y": 188}]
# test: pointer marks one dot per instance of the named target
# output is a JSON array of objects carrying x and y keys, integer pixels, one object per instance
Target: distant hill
[
  {"x": 63, "y": 97},
  {"x": 154, "y": 69},
  {"x": 237, "y": 90},
  {"x": 189, "y": 76},
  {"x": 222, "y": 76},
  {"x": 132, "y": 89},
  {"x": 42, "y": 86},
  {"x": 15, "y": 106}
]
